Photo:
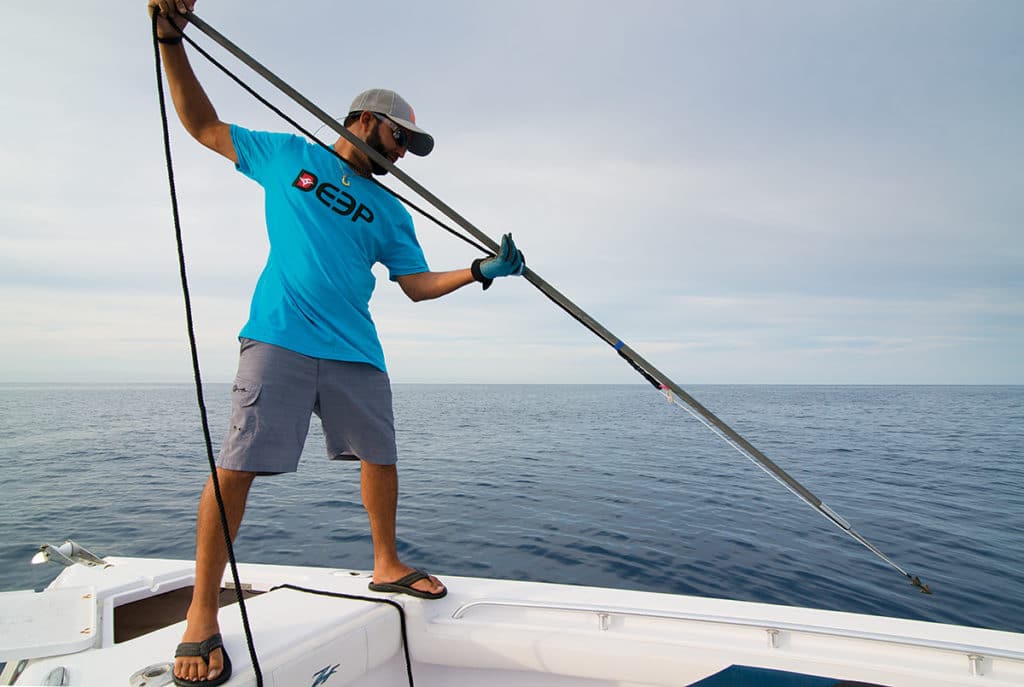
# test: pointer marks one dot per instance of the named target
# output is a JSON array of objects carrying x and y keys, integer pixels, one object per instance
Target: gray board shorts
[{"x": 277, "y": 390}]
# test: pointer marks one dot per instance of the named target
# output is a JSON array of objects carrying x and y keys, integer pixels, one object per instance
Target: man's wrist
[
  {"x": 478, "y": 275},
  {"x": 166, "y": 26}
]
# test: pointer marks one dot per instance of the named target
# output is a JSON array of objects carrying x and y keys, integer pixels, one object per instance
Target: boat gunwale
[{"x": 788, "y": 626}]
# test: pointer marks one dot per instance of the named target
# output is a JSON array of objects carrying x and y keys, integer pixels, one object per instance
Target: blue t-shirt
[{"x": 328, "y": 226}]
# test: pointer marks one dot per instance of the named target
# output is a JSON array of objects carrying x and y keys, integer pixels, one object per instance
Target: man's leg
[
  {"x": 211, "y": 557},
  {"x": 380, "y": 498}
]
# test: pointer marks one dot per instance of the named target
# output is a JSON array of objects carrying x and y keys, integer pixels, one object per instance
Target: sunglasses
[{"x": 401, "y": 137}]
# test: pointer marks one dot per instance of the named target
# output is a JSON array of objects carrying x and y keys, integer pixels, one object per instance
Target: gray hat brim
[{"x": 420, "y": 143}]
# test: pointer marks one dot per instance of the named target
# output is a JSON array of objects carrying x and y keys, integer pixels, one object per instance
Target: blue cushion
[{"x": 745, "y": 676}]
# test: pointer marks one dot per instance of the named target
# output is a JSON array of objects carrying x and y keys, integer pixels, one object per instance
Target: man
[{"x": 310, "y": 344}]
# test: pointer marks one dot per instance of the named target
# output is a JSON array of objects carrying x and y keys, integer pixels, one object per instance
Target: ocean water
[{"x": 592, "y": 485}]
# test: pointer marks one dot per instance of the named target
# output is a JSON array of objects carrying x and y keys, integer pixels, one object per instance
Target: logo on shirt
[
  {"x": 333, "y": 197},
  {"x": 306, "y": 181}
]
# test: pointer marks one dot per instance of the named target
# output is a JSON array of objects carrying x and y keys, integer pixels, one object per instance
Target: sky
[{"x": 810, "y": 192}]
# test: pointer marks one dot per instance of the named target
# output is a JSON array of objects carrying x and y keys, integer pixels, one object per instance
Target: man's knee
[
  {"x": 234, "y": 480},
  {"x": 376, "y": 469}
]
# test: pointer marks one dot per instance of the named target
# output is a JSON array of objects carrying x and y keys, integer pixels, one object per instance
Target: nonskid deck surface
[{"x": 499, "y": 633}]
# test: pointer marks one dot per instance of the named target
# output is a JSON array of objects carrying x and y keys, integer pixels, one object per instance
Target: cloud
[{"x": 792, "y": 192}]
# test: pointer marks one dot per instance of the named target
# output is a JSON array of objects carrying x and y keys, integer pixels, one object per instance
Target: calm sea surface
[{"x": 593, "y": 485}]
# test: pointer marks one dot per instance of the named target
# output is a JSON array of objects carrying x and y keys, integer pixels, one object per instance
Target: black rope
[
  {"x": 374, "y": 599},
  {"x": 195, "y": 359}
]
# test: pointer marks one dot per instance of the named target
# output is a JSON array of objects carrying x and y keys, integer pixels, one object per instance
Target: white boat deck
[{"x": 496, "y": 633}]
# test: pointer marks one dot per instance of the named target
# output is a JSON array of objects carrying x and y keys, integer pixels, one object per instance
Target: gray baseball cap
[{"x": 396, "y": 108}]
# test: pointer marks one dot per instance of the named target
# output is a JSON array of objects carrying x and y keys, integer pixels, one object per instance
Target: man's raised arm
[{"x": 190, "y": 101}]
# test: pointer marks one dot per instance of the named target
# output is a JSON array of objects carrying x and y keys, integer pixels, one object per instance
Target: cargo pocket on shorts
[{"x": 244, "y": 395}]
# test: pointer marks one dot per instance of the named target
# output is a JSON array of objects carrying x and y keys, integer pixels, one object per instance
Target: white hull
[{"x": 494, "y": 633}]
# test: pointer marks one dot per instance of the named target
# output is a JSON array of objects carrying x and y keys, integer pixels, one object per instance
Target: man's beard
[{"x": 373, "y": 140}]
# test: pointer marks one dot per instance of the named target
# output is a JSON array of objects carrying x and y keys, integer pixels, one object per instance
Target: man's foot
[
  {"x": 201, "y": 658},
  {"x": 410, "y": 581}
]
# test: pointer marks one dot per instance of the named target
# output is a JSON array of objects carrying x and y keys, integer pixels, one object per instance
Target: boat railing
[{"x": 774, "y": 629}]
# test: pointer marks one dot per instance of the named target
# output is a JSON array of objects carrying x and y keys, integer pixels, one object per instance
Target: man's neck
[{"x": 353, "y": 157}]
